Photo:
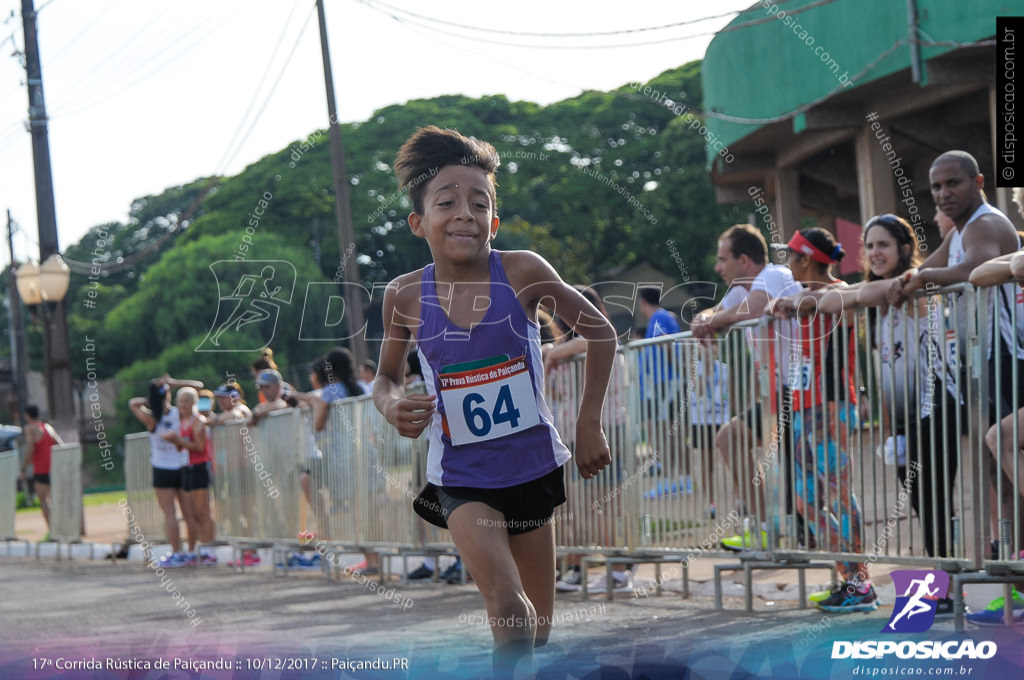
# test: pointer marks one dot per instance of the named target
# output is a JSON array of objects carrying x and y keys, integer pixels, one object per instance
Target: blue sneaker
[
  {"x": 849, "y": 599},
  {"x": 685, "y": 484},
  {"x": 993, "y": 613},
  {"x": 304, "y": 563},
  {"x": 175, "y": 560}
]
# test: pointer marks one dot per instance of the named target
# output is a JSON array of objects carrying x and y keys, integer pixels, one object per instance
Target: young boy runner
[{"x": 494, "y": 461}]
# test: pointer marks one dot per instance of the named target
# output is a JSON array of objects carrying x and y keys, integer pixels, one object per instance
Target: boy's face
[
  {"x": 458, "y": 217},
  {"x": 954, "y": 191}
]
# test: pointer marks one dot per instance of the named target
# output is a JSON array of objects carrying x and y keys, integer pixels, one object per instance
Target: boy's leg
[
  {"x": 481, "y": 537},
  {"x": 534, "y": 554}
]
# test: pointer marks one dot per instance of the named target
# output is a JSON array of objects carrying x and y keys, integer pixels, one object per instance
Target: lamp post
[{"x": 45, "y": 286}]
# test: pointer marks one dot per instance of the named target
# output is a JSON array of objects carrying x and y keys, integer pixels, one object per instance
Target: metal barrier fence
[
  {"x": 139, "y": 493},
  {"x": 774, "y": 424},
  {"x": 9, "y": 465},
  {"x": 66, "y": 492}
]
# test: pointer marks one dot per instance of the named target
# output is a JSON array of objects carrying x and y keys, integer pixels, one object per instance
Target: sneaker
[
  {"x": 571, "y": 582},
  {"x": 823, "y": 595},
  {"x": 207, "y": 559},
  {"x": 993, "y": 612},
  {"x": 849, "y": 599},
  {"x": 248, "y": 560},
  {"x": 745, "y": 542},
  {"x": 453, "y": 574},
  {"x": 663, "y": 488},
  {"x": 366, "y": 571},
  {"x": 944, "y": 608},
  {"x": 175, "y": 560},
  {"x": 621, "y": 583},
  {"x": 420, "y": 573}
]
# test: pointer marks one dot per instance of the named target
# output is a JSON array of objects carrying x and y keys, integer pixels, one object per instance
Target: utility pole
[
  {"x": 59, "y": 386},
  {"x": 18, "y": 365},
  {"x": 346, "y": 234}
]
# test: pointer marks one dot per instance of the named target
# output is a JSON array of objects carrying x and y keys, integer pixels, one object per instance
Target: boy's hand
[
  {"x": 411, "y": 414},
  {"x": 592, "y": 453}
]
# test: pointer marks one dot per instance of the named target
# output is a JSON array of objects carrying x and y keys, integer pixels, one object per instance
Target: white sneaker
[{"x": 620, "y": 583}]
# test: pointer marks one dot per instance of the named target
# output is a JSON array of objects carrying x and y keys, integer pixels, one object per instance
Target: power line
[
  {"x": 107, "y": 64},
  {"x": 222, "y": 165},
  {"x": 373, "y": 3},
  {"x": 770, "y": 17},
  {"x": 491, "y": 58},
  {"x": 69, "y": 43},
  {"x": 492, "y": 41},
  {"x": 273, "y": 88},
  {"x": 145, "y": 76}
]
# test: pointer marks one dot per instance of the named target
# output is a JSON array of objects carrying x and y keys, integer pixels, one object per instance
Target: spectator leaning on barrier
[
  {"x": 742, "y": 262},
  {"x": 231, "y": 402},
  {"x": 923, "y": 436},
  {"x": 821, "y": 381},
  {"x": 40, "y": 437},
  {"x": 659, "y": 366},
  {"x": 367, "y": 372},
  {"x": 917, "y": 388},
  {"x": 192, "y": 438},
  {"x": 1000, "y": 438},
  {"x": 159, "y": 417},
  {"x": 982, "y": 233}
]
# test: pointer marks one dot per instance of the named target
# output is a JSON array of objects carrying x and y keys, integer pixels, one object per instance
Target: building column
[
  {"x": 786, "y": 187},
  {"x": 875, "y": 183}
]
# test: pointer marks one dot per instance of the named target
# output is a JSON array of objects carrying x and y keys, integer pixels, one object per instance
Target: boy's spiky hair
[{"x": 430, "y": 149}]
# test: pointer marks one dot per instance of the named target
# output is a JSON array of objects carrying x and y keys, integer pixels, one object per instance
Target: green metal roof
[{"x": 774, "y": 58}]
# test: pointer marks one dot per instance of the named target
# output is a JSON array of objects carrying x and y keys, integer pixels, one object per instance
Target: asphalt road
[{"x": 61, "y": 619}]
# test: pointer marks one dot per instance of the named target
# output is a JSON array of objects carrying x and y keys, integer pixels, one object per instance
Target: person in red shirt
[{"x": 39, "y": 439}]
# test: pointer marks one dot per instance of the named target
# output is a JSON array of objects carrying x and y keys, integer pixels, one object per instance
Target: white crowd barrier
[
  {"x": 139, "y": 493},
  {"x": 66, "y": 492},
  {"x": 778, "y": 424},
  {"x": 9, "y": 465}
]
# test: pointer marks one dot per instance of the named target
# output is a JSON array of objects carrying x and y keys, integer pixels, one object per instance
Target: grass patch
[{"x": 104, "y": 498}]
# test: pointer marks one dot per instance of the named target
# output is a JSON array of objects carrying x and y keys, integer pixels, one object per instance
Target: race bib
[
  {"x": 801, "y": 373},
  {"x": 952, "y": 357},
  {"x": 489, "y": 401}
]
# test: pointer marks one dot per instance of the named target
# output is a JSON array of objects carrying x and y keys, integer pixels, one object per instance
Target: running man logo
[
  {"x": 914, "y": 611},
  {"x": 250, "y": 294}
]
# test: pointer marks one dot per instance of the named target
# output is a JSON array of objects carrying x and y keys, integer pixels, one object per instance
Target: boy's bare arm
[
  {"x": 535, "y": 279},
  {"x": 409, "y": 414}
]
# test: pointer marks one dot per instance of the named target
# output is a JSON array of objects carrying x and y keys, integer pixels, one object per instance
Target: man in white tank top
[
  {"x": 956, "y": 188},
  {"x": 981, "y": 233}
]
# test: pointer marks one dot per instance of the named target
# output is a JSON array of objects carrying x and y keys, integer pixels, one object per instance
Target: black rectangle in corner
[{"x": 1009, "y": 102}]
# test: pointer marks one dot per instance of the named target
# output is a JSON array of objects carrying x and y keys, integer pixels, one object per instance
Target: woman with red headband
[{"x": 821, "y": 367}]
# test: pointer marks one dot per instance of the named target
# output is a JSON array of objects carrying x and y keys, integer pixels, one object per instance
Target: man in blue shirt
[{"x": 658, "y": 371}]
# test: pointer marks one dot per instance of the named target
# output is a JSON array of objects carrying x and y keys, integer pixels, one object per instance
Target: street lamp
[
  {"x": 45, "y": 286},
  {"x": 43, "y": 283}
]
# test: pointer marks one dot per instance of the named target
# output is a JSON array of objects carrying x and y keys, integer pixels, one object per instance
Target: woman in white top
[{"x": 159, "y": 417}]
